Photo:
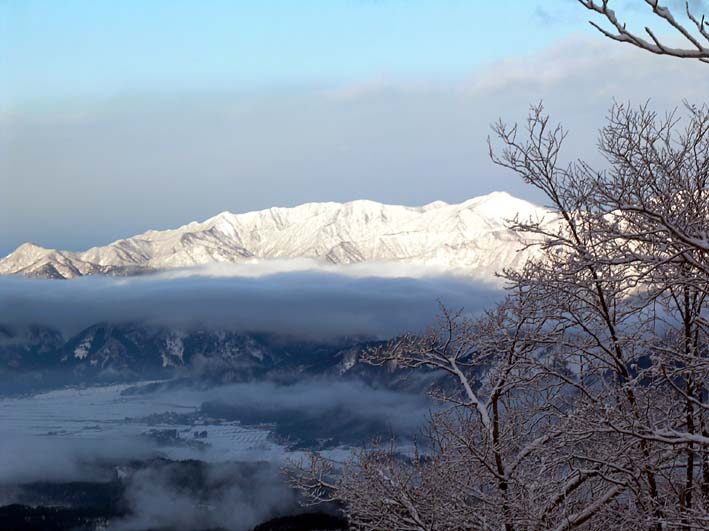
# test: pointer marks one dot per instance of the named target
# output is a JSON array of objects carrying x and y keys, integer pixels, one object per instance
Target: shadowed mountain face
[
  {"x": 472, "y": 237},
  {"x": 129, "y": 351}
]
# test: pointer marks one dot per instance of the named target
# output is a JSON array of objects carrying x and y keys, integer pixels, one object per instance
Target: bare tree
[
  {"x": 695, "y": 33},
  {"x": 619, "y": 273},
  {"x": 580, "y": 401}
]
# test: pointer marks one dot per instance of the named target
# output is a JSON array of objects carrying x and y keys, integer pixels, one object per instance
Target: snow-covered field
[{"x": 101, "y": 413}]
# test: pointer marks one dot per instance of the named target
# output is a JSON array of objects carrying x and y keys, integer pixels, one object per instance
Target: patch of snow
[{"x": 82, "y": 349}]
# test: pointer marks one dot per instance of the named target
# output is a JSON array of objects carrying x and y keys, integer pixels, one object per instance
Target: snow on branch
[{"x": 696, "y": 37}]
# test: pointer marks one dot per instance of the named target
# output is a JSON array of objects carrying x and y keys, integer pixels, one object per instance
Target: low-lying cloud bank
[
  {"x": 312, "y": 303},
  {"x": 26, "y": 459},
  {"x": 259, "y": 267},
  {"x": 234, "y": 496},
  {"x": 156, "y": 493},
  {"x": 404, "y": 412},
  {"x": 355, "y": 412}
]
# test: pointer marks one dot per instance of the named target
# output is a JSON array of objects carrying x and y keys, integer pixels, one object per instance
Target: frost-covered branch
[{"x": 697, "y": 38}]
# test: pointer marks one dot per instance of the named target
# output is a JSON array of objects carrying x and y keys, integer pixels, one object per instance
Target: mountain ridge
[{"x": 471, "y": 236}]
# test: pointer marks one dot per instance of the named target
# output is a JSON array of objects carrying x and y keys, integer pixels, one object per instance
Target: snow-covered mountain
[{"x": 471, "y": 237}]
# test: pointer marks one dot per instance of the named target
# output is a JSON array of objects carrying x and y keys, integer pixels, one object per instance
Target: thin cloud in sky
[{"x": 104, "y": 171}]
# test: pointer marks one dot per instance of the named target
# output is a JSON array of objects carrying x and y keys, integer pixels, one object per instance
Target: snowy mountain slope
[
  {"x": 140, "y": 350},
  {"x": 470, "y": 238}
]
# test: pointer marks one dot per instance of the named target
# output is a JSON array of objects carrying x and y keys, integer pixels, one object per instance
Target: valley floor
[{"x": 107, "y": 457}]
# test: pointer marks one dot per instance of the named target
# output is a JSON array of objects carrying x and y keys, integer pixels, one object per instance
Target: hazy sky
[{"x": 116, "y": 117}]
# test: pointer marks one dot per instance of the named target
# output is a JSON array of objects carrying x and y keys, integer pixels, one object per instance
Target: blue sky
[
  {"x": 58, "y": 51},
  {"x": 121, "y": 116}
]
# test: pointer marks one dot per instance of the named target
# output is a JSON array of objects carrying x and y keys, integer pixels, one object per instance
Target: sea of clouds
[{"x": 283, "y": 297}]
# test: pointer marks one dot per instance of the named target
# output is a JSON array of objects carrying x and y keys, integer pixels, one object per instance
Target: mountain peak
[
  {"x": 28, "y": 252},
  {"x": 434, "y": 205},
  {"x": 30, "y": 247},
  {"x": 497, "y": 197},
  {"x": 503, "y": 206}
]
